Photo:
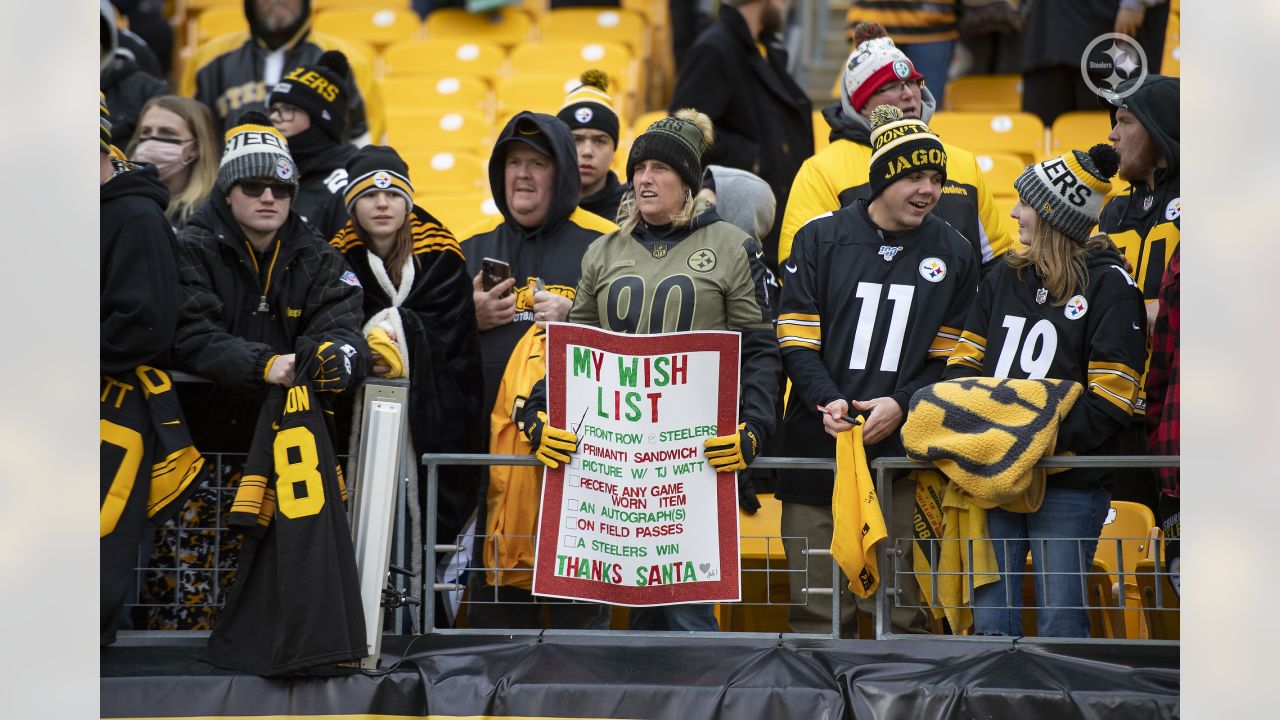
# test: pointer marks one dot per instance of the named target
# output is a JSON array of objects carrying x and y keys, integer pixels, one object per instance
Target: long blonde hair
[
  {"x": 204, "y": 173},
  {"x": 1057, "y": 260}
]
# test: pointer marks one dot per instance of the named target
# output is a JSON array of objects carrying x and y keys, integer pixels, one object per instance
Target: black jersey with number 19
[{"x": 865, "y": 313}]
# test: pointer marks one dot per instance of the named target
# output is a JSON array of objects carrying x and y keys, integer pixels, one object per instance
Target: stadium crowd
[{"x": 263, "y": 229}]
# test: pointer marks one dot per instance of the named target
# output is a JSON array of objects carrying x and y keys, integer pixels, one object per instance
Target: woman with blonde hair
[
  {"x": 176, "y": 135},
  {"x": 670, "y": 241},
  {"x": 1061, "y": 307}
]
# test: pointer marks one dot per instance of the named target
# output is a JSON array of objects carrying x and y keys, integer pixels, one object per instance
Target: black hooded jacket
[
  {"x": 232, "y": 83},
  {"x": 138, "y": 296},
  {"x": 222, "y": 336},
  {"x": 551, "y": 252},
  {"x": 127, "y": 88},
  {"x": 605, "y": 201},
  {"x": 1146, "y": 224},
  {"x": 322, "y": 178}
]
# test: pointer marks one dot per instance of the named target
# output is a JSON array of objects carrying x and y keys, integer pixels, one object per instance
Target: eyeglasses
[
  {"x": 254, "y": 189},
  {"x": 899, "y": 86},
  {"x": 284, "y": 110},
  {"x": 166, "y": 140}
]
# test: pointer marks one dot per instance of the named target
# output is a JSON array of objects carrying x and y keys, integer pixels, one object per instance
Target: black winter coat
[
  {"x": 138, "y": 296},
  {"x": 763, "y": 119},
  {"x": 222, "y": 335},
  {"x": 127, "y": 88},
  {"x": 321, "y": 180}
]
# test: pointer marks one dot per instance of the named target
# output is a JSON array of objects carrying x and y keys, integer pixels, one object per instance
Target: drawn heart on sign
[{"x": 705, "y": 568}]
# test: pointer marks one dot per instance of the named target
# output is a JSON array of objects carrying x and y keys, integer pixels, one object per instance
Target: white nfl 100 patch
[
  {"x": 350, "y": 278},
  {"x": 933, "y": 269},
  {"x": 583, "y": 115},
  {"x": 381, "y": 180},
  {"x": 284, "y": 168},
  {"x": 1076, "y": 307}
]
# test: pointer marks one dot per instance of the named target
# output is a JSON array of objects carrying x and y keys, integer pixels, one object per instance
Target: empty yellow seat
[
  {"x": 1079, "y": 130},
  {"x": 508, "y": 27},
  {"x": 985, "y": 93},
  {"x": 1126, "y": 540},
  {"x": 539, "y": 93},
  {"x": 220, "y": 20},
  {"x": 643, "y": 122},
  {"x": 446, "y": 172},
  {"x": 1001, "y": 169},
  {"x": 444, "y": 56},
  {"x": 1160, "y": 609},
  {"x": 319, "y": 5},
  {"x": 571, "y": 58},
  {"x": 437, "y": 92},
  {"x": 460, "y": 213},
  {"x": 1016, "y": 132},
  {"x": 411, "y": 128},
  {"x": 597, "y": 25},
  {"x": 378, "y": 27}
]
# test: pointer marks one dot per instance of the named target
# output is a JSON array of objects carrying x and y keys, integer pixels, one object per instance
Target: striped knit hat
[
  {"x": 901, "y": 146},
  {"x": 589, "y": 106},
  {"x": 1068, "y": 191},
  {"x": 254, "y": 149},
  {"x": 375, "y": 167}
]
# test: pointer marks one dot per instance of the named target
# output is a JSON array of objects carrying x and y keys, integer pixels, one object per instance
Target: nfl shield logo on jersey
[
  {"x": 1041, "y": 296},
  {"x": 659, "y": 251},
  {"x": 888, "y": 252},
  {"x": 1147, "y": 202},
  {"x": 1076, "y": 307}
]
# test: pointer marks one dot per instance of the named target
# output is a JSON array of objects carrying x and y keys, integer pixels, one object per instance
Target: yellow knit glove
[
  {"x": 381, "y": 343},
  {"x": 551, "y": 445}
]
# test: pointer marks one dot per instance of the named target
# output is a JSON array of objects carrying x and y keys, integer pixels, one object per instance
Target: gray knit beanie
[{"x": 255, "y": 150}]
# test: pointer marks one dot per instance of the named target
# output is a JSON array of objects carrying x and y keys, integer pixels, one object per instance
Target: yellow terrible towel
[
  {"x": 963, "y": 550},
  {"x": 986, "y": 434},
  {"x": 855, "y": 509}
]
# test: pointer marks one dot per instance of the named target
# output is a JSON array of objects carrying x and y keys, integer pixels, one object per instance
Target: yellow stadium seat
[
  {"x": 650, "y": 10},
  {"x": 619, "y": 165},
  {"x": 1079, "y": 130},
  {"x": 1016, "y": 132},
  {"x": 764, "y": 576},
  {"x": 195, "y": 7},
  {"x": 321, "y": 5},
  {"x": 598, "y": 25},
  {"x": 539, "y": 93},
  {"x": 437, "y": 92},
  {"x": 220, "y": 20},
  {"x": 1171, "y": 63},
  {"x": 1105, "y": 618},
  {"x": 985, "y": 93},
  {"x": 1161, "y": 613},
  {"x": 372, "y": 26},
  {"x": 573, "y": 57},
  {"x": 444, "y": 56},
  {"x": 643, "y": 122},
  {"x": 508, "y": 27},
  {"x": 1001, "y": 169},
  {"x": 416, "y": 128},
  {"x": 460, "y": 213},
  {"x": 1126, "y": 539},
  {"x": 1004, "y": 205},
  {"x": 445, "y": 172},
  {"x": 821, "y": 131}
]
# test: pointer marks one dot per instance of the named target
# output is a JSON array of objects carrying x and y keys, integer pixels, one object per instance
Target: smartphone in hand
[{"x": 494, "y": 272}]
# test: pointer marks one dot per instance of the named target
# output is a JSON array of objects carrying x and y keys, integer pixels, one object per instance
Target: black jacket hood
[
  {"x": 141, "y": 180},
  {"x": 289, "y": 36},
  {"x": 1155, "y": 104},
  {"x": 567, "y": 185}
]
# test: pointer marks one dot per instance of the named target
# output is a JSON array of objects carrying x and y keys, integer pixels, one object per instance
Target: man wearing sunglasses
[{"x": 254, "y": 279}]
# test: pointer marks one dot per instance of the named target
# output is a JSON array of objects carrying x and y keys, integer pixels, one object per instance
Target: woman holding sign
[{"x": 675, "y": 266}]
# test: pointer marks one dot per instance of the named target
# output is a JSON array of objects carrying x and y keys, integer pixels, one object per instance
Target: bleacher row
[{"x": 449, "y": 84}]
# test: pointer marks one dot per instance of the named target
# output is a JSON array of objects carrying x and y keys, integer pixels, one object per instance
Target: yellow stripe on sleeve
[
  {"x": 800, "y": 330},
  {"x": 969, "y": 351},
  {"x": 1116, "y": 383},
  {"x": 944, "y": 342}
]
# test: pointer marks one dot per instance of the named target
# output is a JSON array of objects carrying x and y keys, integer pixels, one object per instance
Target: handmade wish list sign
[{"x": 639, "y": 517}]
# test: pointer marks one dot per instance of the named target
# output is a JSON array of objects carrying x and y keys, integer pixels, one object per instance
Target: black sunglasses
[{"x": 253, "y": 189}]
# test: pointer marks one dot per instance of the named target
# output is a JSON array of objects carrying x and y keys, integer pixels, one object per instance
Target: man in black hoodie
[
  {"x": 232, "y": 74},
  {"x": 541, "y": 232},
  {"x": 256, "y": 279},
  {"x": 309, "y": 107}
]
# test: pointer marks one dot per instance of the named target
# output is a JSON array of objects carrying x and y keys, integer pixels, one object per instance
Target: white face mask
[{"x": 165, "y": 154}]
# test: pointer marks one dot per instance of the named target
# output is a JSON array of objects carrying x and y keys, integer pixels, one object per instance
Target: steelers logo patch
[
  {"x": 284, "y": 168},
  {"x": 702, "y": 260},
  {"x": 902, "y": 69},
  {"x": 933, "y": 269},
  {"x": 1076, "y": 307},
  {"x": 1174, "y": 209},
  {"x": 381, "y": 180},
  {"x": 583, "y": 115}
]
